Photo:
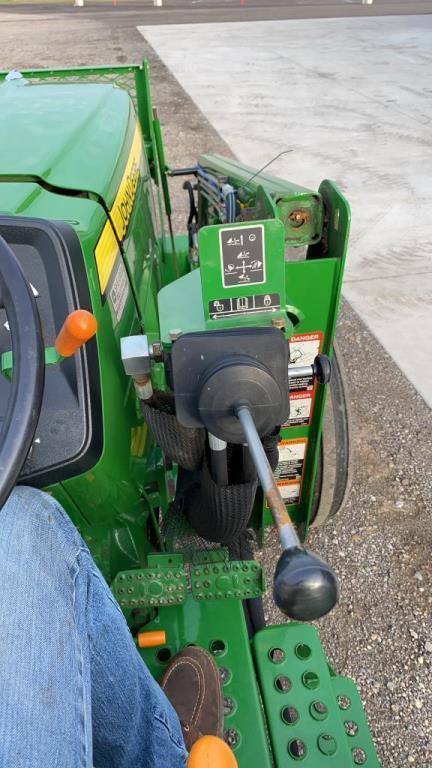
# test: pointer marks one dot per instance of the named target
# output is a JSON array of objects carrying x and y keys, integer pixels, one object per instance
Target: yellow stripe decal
[
  {"x": 106, "y": 254},
  {"x": 107, "y": 248}
]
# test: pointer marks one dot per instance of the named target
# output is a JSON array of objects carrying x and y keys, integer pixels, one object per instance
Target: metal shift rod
[
  {"x": 287, "y": 533},
  {"x": 304, "y": 587}
]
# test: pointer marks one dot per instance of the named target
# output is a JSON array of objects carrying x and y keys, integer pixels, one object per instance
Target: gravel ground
[{"x": 380, "y": 546}]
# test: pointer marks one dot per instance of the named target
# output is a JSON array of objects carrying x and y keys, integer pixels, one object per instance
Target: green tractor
[{"x": 195, "y": 416}]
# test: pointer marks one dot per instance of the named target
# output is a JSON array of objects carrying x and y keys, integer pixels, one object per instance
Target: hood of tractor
[{"x": 69, "y": 137}]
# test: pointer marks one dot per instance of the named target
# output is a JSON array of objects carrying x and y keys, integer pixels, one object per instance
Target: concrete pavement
[{"x": 353, "y": 99}]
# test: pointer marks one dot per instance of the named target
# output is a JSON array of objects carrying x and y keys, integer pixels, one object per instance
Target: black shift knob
[{"x": 304, "y": 587}]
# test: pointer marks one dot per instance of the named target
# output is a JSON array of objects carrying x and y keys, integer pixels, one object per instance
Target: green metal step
[
  {"x": 315, "y": 718},
  {"x": 219, "y": 627}
]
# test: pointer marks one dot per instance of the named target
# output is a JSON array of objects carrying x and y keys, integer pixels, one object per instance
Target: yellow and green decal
[{"x": 108, "y": 246}]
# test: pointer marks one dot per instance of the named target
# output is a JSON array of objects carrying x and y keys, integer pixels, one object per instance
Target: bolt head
[{"x": 278, "y": 322}]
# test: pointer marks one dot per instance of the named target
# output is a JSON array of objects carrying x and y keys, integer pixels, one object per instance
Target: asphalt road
[
  {"x": 381, "y": 632},
  {"x": 126, "y": 14}
]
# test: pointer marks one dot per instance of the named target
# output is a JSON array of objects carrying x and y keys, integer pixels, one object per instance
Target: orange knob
[
  {"x": 211, "y": 752},
  {"x": 78, "y": 328},
  {"x": 151, "y": 639}
]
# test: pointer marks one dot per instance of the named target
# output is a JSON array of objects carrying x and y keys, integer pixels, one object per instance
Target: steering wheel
[{"x": 25, "y": 399}]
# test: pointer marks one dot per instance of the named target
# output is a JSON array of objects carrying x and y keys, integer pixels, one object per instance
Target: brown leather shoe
[{"x": 191, "y": 682}]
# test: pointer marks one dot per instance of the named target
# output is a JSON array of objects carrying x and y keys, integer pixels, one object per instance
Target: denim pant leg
[{"x": 74, "y": 692}]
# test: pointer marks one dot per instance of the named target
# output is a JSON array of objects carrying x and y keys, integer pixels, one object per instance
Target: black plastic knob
[
  {"x": 322, "y": 369},
  {"x": 305, "y": 587}
]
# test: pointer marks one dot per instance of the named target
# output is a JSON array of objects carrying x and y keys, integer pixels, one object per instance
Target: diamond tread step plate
[
  {"x": 315, "y": 719},
  {"x": 219, "y": 581},
  {"x": 164, "y": 582}
]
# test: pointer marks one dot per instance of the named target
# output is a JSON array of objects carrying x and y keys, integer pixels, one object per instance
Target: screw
[
  {"x": 277, "y": 322},
  {"x": 298, "y": 218},
  {"x": 156, "y": 351},
  {"x": 175, "y": 334}
]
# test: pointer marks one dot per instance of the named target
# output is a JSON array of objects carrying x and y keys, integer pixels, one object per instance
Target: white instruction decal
[{"x": 118, "y": 291}]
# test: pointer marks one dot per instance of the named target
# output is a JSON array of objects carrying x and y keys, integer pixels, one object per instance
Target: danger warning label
[
  {"x": 289, "y": 471},
  {"x": 290, "y": 491},
  {"x": 291, "y": 459},
  {"x": 300, "y": 409},
  {"x": 304, "y": 347}
]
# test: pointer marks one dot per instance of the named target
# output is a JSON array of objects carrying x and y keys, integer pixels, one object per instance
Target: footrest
[
  {"x": 314, "y": 717},
  {"x": 163, "y": 582},
  {"x": 241, "y": 579}
]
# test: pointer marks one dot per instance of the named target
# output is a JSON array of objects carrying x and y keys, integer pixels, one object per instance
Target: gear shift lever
[{"x": 304, "y": 587}]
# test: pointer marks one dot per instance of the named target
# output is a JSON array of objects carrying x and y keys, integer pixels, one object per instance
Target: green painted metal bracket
[
  {"x": 52, "y": 357},
  {"x": 236, "y": 303},
  {"x": 299, "y": 209}
]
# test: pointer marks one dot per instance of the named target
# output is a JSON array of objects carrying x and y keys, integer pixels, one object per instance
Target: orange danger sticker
[
  {"x": 291, "y": 459},
  {"x": 290, "y": 491},
  {"x": 304, "y": 347},
  {"x": 301, "y": 404}
]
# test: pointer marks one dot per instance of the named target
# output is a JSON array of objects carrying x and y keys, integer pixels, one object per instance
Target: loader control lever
[{"x": 304, "y": 587}]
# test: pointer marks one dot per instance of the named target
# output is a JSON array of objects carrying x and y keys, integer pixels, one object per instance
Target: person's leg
[{"x": 74, "y": 691}]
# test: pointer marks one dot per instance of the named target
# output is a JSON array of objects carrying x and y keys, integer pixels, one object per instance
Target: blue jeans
[{"x": 74, "y": 691}]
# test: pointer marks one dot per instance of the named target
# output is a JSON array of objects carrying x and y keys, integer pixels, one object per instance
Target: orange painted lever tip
[
  {"x": 78, "y": 328},
  {"x": 151, "y": 639},
  {"x": 211, "y": 752}
]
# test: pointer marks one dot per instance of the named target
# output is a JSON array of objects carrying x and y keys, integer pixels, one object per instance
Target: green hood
[{"x": 70, "y": 136}]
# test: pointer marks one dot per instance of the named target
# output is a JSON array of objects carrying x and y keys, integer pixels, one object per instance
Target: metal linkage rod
[
  {"x": 287, "y": 533},
  {"x": 218, "y": 457},
  {"x": 300, "y": 372}
]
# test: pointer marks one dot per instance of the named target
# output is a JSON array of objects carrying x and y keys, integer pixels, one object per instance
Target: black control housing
[{"x": 213, "y": 371}]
